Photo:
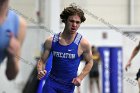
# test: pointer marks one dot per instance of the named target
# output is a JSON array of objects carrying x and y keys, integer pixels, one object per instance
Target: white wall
[
  {"x": 26, "y": 7},
  {"x": 137, "y": 12},
  {"x": 113, "y": 11}
]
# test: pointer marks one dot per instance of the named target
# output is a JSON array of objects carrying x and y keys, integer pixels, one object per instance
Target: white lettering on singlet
[{"x": 63, "y": 55}]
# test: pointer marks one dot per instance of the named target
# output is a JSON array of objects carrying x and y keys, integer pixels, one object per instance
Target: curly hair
[{"x": 72, "y": 10}]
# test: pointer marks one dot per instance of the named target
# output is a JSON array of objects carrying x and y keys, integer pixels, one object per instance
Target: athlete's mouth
[{"x": 73, "y": 28}]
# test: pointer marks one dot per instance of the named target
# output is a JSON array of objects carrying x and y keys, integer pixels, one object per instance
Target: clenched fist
[
  {"x": 76, "y": 81},
  {"x": 41, "y": 74}
]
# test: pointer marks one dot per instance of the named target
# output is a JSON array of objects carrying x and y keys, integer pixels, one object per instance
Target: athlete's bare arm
[
  {"x": 134, "y": 53},
  {"x": 14, "y": 51},
  {"x": 44, "y": 56},
  {"x": 87, "y": 55}
]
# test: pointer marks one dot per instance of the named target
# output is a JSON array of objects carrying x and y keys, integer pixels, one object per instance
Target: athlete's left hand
[
  {"x": 76, "y": 81},
  {"x": 128, "y": 65}
]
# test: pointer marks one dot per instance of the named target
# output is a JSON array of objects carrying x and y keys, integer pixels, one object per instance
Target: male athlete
[{"x": 68, "y": 48}]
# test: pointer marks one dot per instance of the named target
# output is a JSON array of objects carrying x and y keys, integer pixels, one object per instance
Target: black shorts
[
  {"x": 138, "y": 75},
  {"x": 94, "y": 74}
]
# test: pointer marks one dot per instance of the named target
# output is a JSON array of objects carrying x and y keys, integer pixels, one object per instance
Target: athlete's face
[{"x": 73, "y": 23}]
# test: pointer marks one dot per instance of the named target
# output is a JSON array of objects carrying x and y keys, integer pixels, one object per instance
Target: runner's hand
[
  {"x": 76, "y": 81},
  {"x": 41, "y": 74},
  {"x": 127, "y": 65}
]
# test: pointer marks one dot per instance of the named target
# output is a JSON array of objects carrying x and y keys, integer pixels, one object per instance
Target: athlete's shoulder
[
  {"x": 84, "y": 42},
  {"x": 22, "y": 20},
  {"x": 22, "y": 23},
  {"x": 22, "y": 28},
  {"x": 49, "y": 39},
  {"x": 85, "y": 45}
]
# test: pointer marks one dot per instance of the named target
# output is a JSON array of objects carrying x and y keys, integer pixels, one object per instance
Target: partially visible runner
[{"x": 12, "y": 33}]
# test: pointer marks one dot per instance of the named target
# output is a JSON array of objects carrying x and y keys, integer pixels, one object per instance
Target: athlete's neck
[
  {"x": 67, "y": 35},
  {"x": 66, "y": 39}
]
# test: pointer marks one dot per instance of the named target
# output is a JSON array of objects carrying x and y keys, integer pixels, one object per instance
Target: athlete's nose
[{"x": 74, "y": 24}]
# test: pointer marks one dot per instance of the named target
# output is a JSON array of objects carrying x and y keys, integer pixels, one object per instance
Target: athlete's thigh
[
  {"x": 66, "y": 89},
  {"x": 48, "y": 88}
]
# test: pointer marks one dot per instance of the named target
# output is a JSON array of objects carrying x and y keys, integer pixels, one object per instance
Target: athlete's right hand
[
  {"x": 41, "y": 74},
  {"x": 128, "y": 65}
]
